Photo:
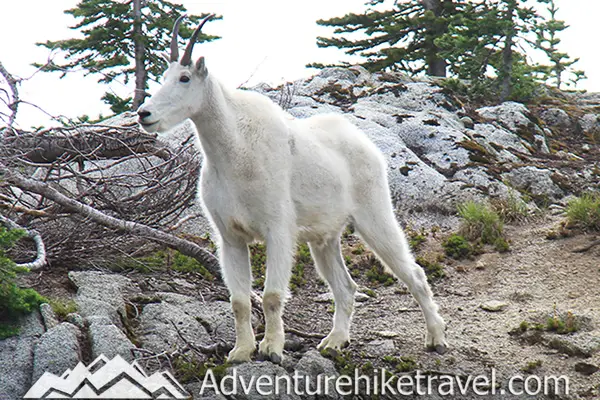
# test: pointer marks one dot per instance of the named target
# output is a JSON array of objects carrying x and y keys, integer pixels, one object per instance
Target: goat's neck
[{"x": 216, "y": 125}]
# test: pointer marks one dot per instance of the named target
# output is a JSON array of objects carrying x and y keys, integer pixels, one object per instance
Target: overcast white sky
[{"x": 268, "y": 40}]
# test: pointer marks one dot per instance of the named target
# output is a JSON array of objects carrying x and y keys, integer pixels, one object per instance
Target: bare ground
[{"x": 537, "y": 277}]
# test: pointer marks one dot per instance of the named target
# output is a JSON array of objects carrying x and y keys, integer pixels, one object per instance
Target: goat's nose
[{"x": 144, "y": 114}]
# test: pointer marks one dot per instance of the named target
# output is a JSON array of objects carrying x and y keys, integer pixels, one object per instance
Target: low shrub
[
  {"x": 457, "y": 247},
  {"x": 14, "y": 300},
  {"x": 584, "y": 212}
]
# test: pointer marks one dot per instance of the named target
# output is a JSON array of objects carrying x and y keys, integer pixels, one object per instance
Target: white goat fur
[{"x": 269, "y": 177}]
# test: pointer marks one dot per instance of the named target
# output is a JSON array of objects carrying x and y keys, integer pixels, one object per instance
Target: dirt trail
[{"x": 534, "y": 276}]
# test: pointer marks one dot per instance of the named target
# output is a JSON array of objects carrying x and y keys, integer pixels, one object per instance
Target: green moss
[
  {"x": 62, "y": 307},
  {"x": 401, "y": 364},
  {"x": 406, "y": 364},
  {"x": 348, "y": 231},
  {"x": 433, "y": 269},
  {"x": 524, "y": 326},
  {"x": 457, "y": 247},
  {"x": 501, "y": 245},
  {"x": 532, "y": 366},
  {"x": 188, "y": 369},
  {"x": 376, "y": 274},
  {"x": 415, "y": 238},
  {"x": 358, "y": 250},
  {"x": 370, "y": 293},
  {"x": 342, "y": 360},
  {"x": 258, "y": 260},
  {"x": 161, "y": 260}
]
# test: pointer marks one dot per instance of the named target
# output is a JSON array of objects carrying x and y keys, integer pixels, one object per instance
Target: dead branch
[
  {"x": 84, "y": 143},
  {"x": 184, "y": 246},
  {"x": 218, "y": 348},
  {"x": 40, "y": 258},
  {"x": 583, "y": 249},
  {"x": 302, "y": 334},
  {"x": 12, "y": 104}
]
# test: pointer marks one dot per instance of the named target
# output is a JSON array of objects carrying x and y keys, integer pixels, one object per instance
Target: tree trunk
[
  {"x": 139, "y": 48},
  {"x": 436, "y": 66},
  {"x": 507, "y": 52}
]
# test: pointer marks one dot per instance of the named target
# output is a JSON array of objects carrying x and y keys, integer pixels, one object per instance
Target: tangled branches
[{"x": 96, "y": 193}]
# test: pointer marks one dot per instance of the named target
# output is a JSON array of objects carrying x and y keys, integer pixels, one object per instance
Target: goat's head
[{"x": 182, "y": 91}]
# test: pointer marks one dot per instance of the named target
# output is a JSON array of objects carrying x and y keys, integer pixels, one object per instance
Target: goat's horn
[
  {"x": 174, "y": 44},
  {"x": 187, "y": 56}
]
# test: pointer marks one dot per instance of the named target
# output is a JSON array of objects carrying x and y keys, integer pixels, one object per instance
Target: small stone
[
  {"x": 467, "y": 122},
  {"x": 324, "y": 298},
  {"x": 184, "y": 283},
  {"x": 48, "y": 315},
  {"x": 387, "y": 334},
  {"x": 493, "y": 305},
  {"x": 328, "y": 297},
  {"x": 580, "y": 345},
  {"x": 361, "y": 297},
  {"x": 586, "y": 369},
  {"x": 76, "y": 320},
  {"x": 380, "y": 348},
  {"x": 480, "y": 265},
  {"x": 586, "y": 147}
]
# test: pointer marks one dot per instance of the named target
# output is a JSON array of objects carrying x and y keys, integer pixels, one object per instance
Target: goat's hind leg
[
  {"x": 238, "y": 278},
  {"x": 330, "y": 264},
  {"x": 376, "y": 224}
]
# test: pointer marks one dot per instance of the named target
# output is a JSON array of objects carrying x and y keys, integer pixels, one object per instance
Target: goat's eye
[{"x": 184, "y": 78}]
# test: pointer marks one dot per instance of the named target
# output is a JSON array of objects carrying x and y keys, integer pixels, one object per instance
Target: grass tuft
[
  {"x": 480, "y": 223},
  {"x": 584, "y": 212},
  {"x": 62, "y": 307}
]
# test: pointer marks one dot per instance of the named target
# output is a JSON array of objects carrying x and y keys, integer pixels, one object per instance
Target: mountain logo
[{"x": 107, "y": 379}]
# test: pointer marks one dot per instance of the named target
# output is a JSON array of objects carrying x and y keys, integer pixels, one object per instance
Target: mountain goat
[{"x": 269, "y": 177}]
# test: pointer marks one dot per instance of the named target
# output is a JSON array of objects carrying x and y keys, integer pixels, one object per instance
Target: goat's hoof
[
  {"x": 438, "y": 348},
  {"x": 273, "y": 357},
  {"x": 239, "y": 355},
  {"x": 441, "y": 349},
  {"x": 276, "y": 358}
]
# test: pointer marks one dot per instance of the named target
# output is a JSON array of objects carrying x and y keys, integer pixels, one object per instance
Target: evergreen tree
[
  {"x": 547, "y": 40},
  {"x": 402, "y": 38},
  {"x": 122, "y": 39},
  {"x": 484, "y": 41}
]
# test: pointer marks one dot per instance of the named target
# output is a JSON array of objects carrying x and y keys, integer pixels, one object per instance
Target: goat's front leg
[
  {"x": 280, "y": 246},
  {"x": 235, "y": 264}
]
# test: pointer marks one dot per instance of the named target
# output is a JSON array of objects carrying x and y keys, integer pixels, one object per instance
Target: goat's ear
[{"x": 201, "y": 67}]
